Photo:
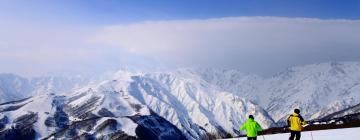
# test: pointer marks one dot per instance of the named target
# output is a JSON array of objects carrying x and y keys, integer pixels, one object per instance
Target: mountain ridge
[{"x": 203, "y": 103}]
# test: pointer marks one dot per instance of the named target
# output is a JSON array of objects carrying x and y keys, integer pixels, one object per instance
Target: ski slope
[{"x": 334, "y": 134}]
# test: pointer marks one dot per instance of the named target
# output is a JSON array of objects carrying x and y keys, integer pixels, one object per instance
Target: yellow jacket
[{"x": 295, "y": 121}]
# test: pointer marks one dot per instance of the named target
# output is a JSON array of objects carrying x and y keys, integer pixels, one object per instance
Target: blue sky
[
  {"x": 94, "y": 36},
  {"x": 124, "y": 11}
]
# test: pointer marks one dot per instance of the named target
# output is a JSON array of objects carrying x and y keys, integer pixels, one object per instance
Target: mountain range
[{"x": 184, "y": 103}]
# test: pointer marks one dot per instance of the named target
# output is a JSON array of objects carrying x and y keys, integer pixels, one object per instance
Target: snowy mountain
[
  {"x": 13, "y": 87},
  {"x": 87, "y": 114},
  {"x": 351, "y": 111},
  {"x": 191, "y": 103},
  {"x": 195, "y": 107},
  {"x": 318, "y": 89},
  {"x": 58, "y": 84},
  {"x": 234, "y": 81}
]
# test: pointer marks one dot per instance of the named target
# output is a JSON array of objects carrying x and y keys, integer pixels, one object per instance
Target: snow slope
[
  {"x": 197, "y": 101},
  {"x": 57, "y": 84},
  {"x": 193, "y": 105},
  {"x": 234, "y": 81},
  {"x": 334, "y": 134},
  {"x": 86, "y": 114},
  {"x": 132, "y": 99},
  {"x": 318, "y": 89},
  {"x": 13, "y": 87}
]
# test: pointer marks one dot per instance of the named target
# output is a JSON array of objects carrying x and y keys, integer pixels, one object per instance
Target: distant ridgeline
[
  {"x": 205, "y": 103},
  {"x": 48, "y": 117}
]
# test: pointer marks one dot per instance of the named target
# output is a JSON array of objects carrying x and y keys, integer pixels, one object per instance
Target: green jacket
[{"x": 251, "y": 127}]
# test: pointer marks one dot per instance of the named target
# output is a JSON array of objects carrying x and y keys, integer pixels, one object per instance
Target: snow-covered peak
[
  {"x": 198, "y": 101},
  {"x": 185, "y": 97},
  {"x": 312, "y": 88},
  {"x": 57, "y": 84},
  {"x": 327, "y": 87},
  {"x": 234, "y": 81},
  {"x": 13, "y": 87}
]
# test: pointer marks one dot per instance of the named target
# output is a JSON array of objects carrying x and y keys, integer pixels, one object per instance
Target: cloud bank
[
  {"x": 249, "y": 43},
  {"x": 252, "y": 44}
]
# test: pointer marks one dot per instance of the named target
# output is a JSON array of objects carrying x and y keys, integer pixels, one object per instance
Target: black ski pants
[
  {"x": 295, "y": 134},
  {"x": 251, "y": 138}
]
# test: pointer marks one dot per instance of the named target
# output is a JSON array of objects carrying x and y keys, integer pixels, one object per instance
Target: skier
[
  {"x": 252, "y": 127},
  {"x": 295, "y": 121}
]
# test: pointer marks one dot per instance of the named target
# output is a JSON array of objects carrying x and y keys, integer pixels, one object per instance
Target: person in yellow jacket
[
  {"x": 252, "y": 127},
  {"x": 295, "y": 121}
]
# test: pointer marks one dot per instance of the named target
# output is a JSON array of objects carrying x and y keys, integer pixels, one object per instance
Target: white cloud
[
  {"x": 256, "y": 44},
  {"x": 38, "y": 49},
  {"x": 239, "y": 41}
]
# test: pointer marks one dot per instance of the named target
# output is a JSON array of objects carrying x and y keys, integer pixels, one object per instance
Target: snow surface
[
  {"x": 40, "y": 105},
  {"x": 13, "y": 87},
  {"x": 192, "y": 104},
  {"x": 317, "y": 89},
  {"x": 215, "y": 100},
  {"x": 180, "y": 97},
  {"x": 334, "y": 134}
]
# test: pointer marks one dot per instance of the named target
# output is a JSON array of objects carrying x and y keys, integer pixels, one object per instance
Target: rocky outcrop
[
  {"x": 154, "y": 127},
  {"x": 22, "y": 128}
]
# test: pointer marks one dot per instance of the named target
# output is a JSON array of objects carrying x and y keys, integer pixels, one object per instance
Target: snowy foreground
[{"x": 334, "y": 134}]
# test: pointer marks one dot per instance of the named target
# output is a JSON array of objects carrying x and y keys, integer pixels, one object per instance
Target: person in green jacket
[{"x": 251, "y": 127}]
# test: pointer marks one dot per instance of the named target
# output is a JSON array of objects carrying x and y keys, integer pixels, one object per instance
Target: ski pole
[
  {"x": 263, "y": 137},
  {"x": 312, "y": 138}
]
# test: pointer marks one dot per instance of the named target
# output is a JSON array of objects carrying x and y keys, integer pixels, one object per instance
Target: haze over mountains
[{"x": 194, "y": 103}]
